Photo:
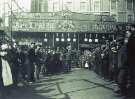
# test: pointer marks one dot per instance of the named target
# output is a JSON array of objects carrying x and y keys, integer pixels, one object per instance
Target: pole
[
  {"x": 78, "y": 41},
  {"x": 11, "y": 19},
  {"x": 62, "y": 5},
  {"x": 53, "y": 39},
  {"x": 4, "y": 15}
]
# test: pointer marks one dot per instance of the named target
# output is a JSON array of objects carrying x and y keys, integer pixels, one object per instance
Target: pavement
[{"x": 78, "y": 84}]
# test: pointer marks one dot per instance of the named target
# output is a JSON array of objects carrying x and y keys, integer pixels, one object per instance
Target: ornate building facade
[
  {"x": 121, "y": 10},
  {"x": 39, "y": 5},
  {"x": 51, "y": 21}
]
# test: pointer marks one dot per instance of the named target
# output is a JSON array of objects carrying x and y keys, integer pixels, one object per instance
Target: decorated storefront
[{"x": 62, "y": 28}]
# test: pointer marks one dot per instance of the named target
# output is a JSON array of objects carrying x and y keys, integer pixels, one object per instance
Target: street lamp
[
  {"x": 85, "y": 39},
  {"x": 45, "y": 39},
  {"x": 57, "y": 38},
  {"x": 90, "y": 40},
  {"x": 74, "y": 39},
  {"x": 68, "y": 39},
  {"x": 62, "y": 39},
  {"x": 96, "y": 39}
]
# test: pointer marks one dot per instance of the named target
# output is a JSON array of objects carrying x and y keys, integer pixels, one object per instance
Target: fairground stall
[{"x": 58, "y": 30}]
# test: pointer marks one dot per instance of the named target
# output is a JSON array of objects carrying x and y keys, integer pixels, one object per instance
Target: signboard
[{"x": 58, "y": 22}]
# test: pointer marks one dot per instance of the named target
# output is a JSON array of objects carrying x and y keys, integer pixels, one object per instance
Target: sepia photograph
[{"x": 67, "y": 49}]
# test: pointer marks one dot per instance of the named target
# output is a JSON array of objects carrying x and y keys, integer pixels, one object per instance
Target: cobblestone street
[{"x": 78, "y": 84}]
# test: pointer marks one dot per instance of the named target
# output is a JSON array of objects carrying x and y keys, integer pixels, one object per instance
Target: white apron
[{"x": 6, "y": 73}]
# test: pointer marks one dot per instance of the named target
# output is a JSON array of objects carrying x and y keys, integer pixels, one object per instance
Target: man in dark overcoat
[
  {"x": 32, "y": 59},
  {"x": 131, "y": 59}
]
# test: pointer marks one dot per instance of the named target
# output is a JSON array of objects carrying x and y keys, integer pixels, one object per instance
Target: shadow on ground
[{"x": 22, "y": 93}]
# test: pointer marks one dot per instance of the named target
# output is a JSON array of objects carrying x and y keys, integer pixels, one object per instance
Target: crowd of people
[
  {"x": 25, "y": 64},
  {"x": 114, "y": 61}
]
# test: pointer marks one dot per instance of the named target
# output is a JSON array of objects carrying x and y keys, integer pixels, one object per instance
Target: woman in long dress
[{"x": 5, "y": 70}]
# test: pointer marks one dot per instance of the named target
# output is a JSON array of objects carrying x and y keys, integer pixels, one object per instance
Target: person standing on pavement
[
  {"x": 38, "y": 61},
  {"x": 68, "y": 56},
  {"x": 14, "y": 57},
  {"x": 113, "y": 62},
  {"x": 123, "y": 65},
  {"x": 1, "y": 83},
  {"x": 6, "y": 76},
  {"x": 22, "y": 59},
  {"x": 131, "y": 59},
  {"x": 32, "y": 59}
]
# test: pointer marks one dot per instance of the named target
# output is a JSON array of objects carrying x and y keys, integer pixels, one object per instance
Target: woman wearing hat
[{"x": 5, "y": 70}]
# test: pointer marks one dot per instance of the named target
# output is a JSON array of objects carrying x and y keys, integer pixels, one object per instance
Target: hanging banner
[{"x": 59, "y": 22}]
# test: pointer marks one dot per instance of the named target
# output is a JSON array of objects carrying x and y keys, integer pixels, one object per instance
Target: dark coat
[
  {"x": 122, "y": 57},
  {"x": 39, "y": 57},
  {"x": 0, "y": 72},
  {"x": 32, "y": 55},
  {"x": 13, "y": 61},
  {"x": 48, "y": 62},
  {"x": 0, "y": 67},
  {"x": 131, "y": 50},
  {"x": 22, "y": 57}
]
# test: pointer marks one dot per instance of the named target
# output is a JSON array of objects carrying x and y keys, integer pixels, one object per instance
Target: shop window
[
  {"x": 129, "y": 4},
  {"x": 83, "y": 6},
  {"x": 97, "y": 5},
  {"x": 130, "y": 18},
  {"x": 121, "y": 17},
  {"x": 113, "y": 4}
]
